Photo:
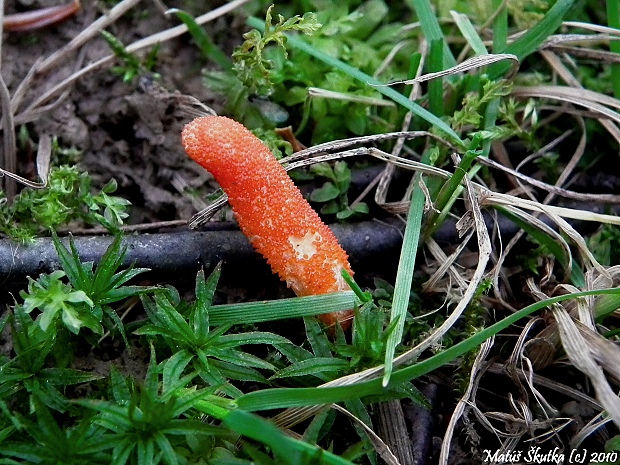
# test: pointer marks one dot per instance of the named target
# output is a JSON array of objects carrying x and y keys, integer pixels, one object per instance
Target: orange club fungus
[{"x": 270, "y": 209}]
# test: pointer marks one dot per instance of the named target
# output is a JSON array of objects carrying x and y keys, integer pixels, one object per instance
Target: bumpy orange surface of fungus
[{"x": 269, "y": 208}]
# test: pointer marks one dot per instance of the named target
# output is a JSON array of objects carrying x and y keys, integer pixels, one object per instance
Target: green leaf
[
  {"x": 361, "y": 208},
  {"x": 166, "y": 448},
  {"x": 66, "y": 376},
  {"x": 120, "y": 389},
  {"x": 122, "y": 451},
  {"x": 205, "y": 291},
  {"x": 242, "y": 359},
  {"x": 355, "y": 73},
  {"x": 314, "y": 366},
  {"x": 317, "y": 338},
  {"x": 325, "y": 193},
  {"x": 330, "y": 208},
  {"x": 323, "y": 169},
  {"x": 291, "y": 451},
  {"x": 267, "y": 399},
  {"x": 255, "y": 312},
  {"x": 253, "y": 337},
  {"x": 145, "y": 451},
  {"x": 70, "y": 262},
  {"x": 172, "y": 371}
]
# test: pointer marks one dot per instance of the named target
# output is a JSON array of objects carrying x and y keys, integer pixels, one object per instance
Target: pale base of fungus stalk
[{"x": 270, "y": 209}]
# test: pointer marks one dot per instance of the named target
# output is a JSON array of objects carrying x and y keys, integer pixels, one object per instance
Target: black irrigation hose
[
  {"x": 186, "y": 251},
  {"x": 368, "y": 243}
]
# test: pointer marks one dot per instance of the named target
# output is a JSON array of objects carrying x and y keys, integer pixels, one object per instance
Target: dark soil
[{"x": 127, "y": 130}]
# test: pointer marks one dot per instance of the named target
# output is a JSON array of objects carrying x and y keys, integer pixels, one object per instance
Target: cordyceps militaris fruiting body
[{"x": 269, "y": 208}]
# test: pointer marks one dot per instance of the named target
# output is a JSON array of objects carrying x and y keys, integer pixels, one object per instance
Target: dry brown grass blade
[
  {"x": 560, "y": 39},
  {"x": 592, "y": 27},
  {"x": 564, "y": 73},
  {"x": 467, "y": 65},
  {"x": 594, "y": 424},
  {"x": 539, "y": 380},
  {"x": 496, "y": 198},
  {"x": 604, "y": 351},
  {"x": 445, "y": 265},
  {"x": 9, "y": 146},
  {"x": 134, "y": 47},
  {"x": 593, "y": 101},
  {"x": 381, "y": 447},
  {"x": 467, "y": 398},
  {"x": 515, "y": 363},
  {"x": 44, "y": 155},
  {"x": 602, "y": 56},
  {"x": 574, "y": 344}
]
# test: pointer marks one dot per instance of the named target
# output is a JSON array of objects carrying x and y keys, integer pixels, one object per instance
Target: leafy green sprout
[
  {"x": 67, "y": 198},
  {"x": 216, "y": 356},
  {"x": 333, "y": 193},
  {"x": 27, "y": 370},
  {"x": 132, "y": 66},
  {"x": 252, "y": 68},
  {"x": 147, "y": 423},
  {"x": 85, "y": 300}
]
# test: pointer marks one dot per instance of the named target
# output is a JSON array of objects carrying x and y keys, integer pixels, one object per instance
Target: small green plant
[
  {"x": 265, "y": 66},
  {"x": 27, "y": 370},
  {"x": 85, "y": 300},
  {"x": 278, "y": 146},
  {"x": 67, "y": 198},
  {"x": 53, "y": 297},
  {"x": 474, "y": 103},
  {"x": 250, "y": 64},
  {"x": 51, "y": 442},
  {"x": 132, "y": 67},
  {"x": 146, "y": 423},
  {"x": 334, "y": 192},
  {"x": 216, "y": 356}
]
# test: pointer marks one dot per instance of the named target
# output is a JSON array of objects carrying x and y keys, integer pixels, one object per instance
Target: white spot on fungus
[{"x": 304, "y": 246}]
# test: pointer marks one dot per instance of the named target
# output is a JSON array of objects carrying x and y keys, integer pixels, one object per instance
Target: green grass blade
[
  {"x": 363, "y": 77},
  {"x": 431, "y": 29},
  {"x": 313, "y": 366},
  {"x": 203, "y": 41},
  {"x": 289, "y": 450},
  {"x": 500, "y": 26},
  {"x": 435, "y": 86},
  {"x": 268, "y": 399},
  {"x": 256, "y": 312},
  {"x": 452, "y": 187},
  {"x": 534, "y": 37},
  {"x": 469, "y": 33},
  {"x": 404, "y": 275},
  {"x": 613, "y": 20}
]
